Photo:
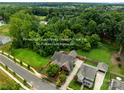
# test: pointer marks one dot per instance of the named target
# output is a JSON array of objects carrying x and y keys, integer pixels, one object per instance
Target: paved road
[
  {"x": 78, "y": 64},
  {"x": 99, "y": 80},
  {"x": 37, "y": 83}
]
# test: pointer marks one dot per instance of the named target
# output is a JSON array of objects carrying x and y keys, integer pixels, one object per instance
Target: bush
[
  {"x": 28, "y": 66},
  {"x": 53, "y": 70},
  {"x": 24, "y": 82},
  {"x": 61, "y": 79},
  {"x": 87, "y": 46}
]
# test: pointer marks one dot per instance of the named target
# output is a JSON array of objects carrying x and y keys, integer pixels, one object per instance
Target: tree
[
  {"x": 120, "y": 36},
  {"x": 91, "y": 27},
  {"x": 94, "y": 40},
  {"x": 21, "y": 23},
  {"x": 67, "y": 33},
  {"x": 76, "y": 28},
  {"x": 53, "y": 70},
  {"x": 61, "y": 79}
]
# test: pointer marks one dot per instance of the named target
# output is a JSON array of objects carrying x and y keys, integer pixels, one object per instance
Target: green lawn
[
  {"x": 75, "y": 85},
  {"x": 6, "y": 47},
  {"x": 4, "y": 30},
  {"x": 30, "y": 57},
  {"x": 106, "y": 82},
  {"x": 7, "y": 83},
  {"x": 101, "y": 54}
]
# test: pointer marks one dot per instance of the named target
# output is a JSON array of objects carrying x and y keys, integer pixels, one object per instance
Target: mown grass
[
  {"x": 75, "y": 85},
  {"x": 7, "y": 83},
  {"x": 106, "y": 82},
  {"x": 101, "y": 54},
  {"x": 6, "y": 47},
  {"x": 30, "y": 57},
  {"x": 4, "y": 30}
]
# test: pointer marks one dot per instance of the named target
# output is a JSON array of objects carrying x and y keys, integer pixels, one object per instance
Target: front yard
[{"x": 75, "y": 85}]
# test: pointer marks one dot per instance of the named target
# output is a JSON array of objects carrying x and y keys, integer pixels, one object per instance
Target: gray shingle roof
[
  {"x": 87, "y": 71},
  {"x": 61, "y": 59},
  {"x": 73, "y": 53},
  {"x": 102, "y": 67},
  {"x": 116, "y": 85}
]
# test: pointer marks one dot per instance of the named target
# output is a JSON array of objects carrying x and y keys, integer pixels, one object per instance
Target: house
[
  {"x": 116, "y": 85},
  {"x": 64, "y": 60},
  {"x": 87, "y": 73},
  {"x": 4, "y": 39}
]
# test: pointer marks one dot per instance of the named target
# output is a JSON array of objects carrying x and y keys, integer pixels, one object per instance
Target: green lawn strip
[
  {"x": 7, "y": 83},
  {"x": 6, "y": 47},
  {"x": 106, "y": 82},
  {"x": 30, "y": 57},
  {"x": 75, "y": 85},
  {"x": 4, "y": 30}
]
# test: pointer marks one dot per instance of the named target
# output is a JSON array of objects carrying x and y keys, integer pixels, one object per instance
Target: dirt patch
[{"x": 114, "y": 58}]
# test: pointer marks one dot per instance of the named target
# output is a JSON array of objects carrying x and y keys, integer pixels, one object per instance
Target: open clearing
[{"x": 30, "y": 57}]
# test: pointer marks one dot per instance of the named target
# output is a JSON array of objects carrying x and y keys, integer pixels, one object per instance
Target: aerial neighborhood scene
[{"x": 61, "y": 46}]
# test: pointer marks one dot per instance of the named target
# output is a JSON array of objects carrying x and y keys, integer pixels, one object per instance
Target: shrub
[
  {"x": 53, "y": 70},
  {"x": 61, "y": 79}
]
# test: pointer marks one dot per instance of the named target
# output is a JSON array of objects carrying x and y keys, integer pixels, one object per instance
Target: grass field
[
  {"x": 75, "y": 85},
  {"x": 6, "y": 47},
  {"x": 30, "y": 57},
  {"x": 7, "y": 83},
  {"x": 4, "y": 30},
  {"x": 101, "y": 54}
]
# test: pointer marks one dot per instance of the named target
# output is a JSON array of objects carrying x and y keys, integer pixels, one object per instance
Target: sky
[{"x": 109, "y": 1}]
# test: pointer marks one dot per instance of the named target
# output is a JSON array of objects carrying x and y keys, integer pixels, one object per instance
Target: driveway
[
  {"x": 99, "y": 80},
  {"x": 37, "y": 83}
]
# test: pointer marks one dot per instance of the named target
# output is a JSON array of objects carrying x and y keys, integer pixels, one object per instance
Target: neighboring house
[
  {"x": 87, "y": 73},
  {"x": 116, "y": 85},
  {"x": 4, "y": 39},
  {"x": 64, "y": 60}
]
